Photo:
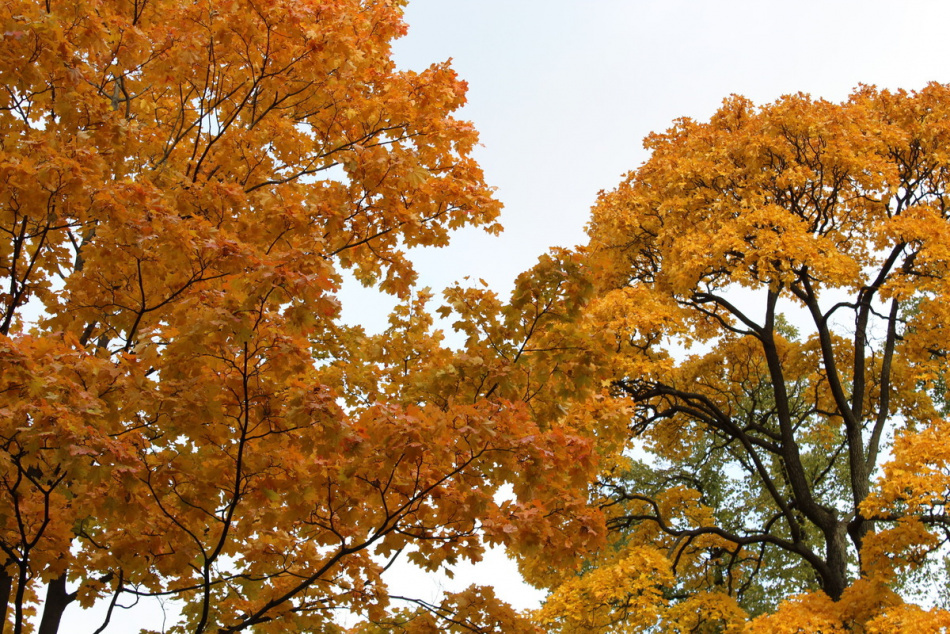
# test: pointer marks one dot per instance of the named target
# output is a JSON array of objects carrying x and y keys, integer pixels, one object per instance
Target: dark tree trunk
[
  {"x": 6, "y": 586},
  {"x": 56, "y": 601},
  {"x": 836, "y": 554}
]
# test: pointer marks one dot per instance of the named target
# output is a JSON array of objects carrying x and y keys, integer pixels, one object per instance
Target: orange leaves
[
  {"x": 475, "y": 609},
  {"x": 59, "y": 453},
  {"x": 180, "y": 186}
]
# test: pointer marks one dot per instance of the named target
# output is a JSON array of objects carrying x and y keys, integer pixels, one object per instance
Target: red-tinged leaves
[{"x": 181, "y": 184}]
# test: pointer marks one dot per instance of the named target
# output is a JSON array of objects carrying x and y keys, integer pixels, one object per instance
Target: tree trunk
[
  {"x": 836, "y": 554},
  {"x": 56, "y": 601},
  {"x": 6, "y": 586}
]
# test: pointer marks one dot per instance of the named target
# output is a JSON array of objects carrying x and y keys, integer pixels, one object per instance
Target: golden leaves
[
  {"x": 833, "y": 213},
  {"x": 625, "y": 595},
  {"x": 756, "y": 193},
  {"x": 915, "y": 485}
]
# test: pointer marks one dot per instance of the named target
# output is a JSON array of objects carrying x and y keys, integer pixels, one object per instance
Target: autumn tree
[
  {"x": 776, "y": 286},
  {"x": 181, "y": 412}
]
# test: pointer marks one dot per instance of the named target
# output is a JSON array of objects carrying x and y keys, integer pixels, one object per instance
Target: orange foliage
[{"x": 181, "y": 412}]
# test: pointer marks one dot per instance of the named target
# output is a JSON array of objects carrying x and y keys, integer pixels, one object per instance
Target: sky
[{"x": 564, "y": 91}]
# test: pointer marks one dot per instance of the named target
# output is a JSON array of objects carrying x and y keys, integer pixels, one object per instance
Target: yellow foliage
[
  {"x": 910, "y": 618},
  {"x": 775, "y": 286},
  {"x": 813, "y": 613},
  {"x": 621, "y": 595},
  {"x": 706, "y": 613}
]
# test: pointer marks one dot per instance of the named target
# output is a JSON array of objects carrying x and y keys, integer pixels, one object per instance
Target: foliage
[
  {"x": 478, "y": 604},
  {"x": 181, "y": 412},
  {"x": 775, "y": 284}
]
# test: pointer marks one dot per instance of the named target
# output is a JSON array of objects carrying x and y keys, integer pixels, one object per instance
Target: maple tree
[
  {"x": 182, "y": 414},
  {"x": 775, "y": 283}
]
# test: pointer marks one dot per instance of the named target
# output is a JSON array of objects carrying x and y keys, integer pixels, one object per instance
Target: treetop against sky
[{"x": 187, "y": 191}]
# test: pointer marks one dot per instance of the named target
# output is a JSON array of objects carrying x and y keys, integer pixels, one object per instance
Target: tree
[
  {"x": 181, "y": 412},
  {"x": 776, "y": 285}
]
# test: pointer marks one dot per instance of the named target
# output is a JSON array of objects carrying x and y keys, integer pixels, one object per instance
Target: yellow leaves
[
  {"x": 735, "y": 200},
  {"x": 417, "y": 176},
  {"x": 625, "y": 595},
  {"x": 764, "y": 437},
  {"x": 915, "y": 483},
  {"x": 867, "y": 606},
  {"x": 910, "y": 618},
  {"x": 639, "y": 314},
  {"x": 917, "y": 479},
  {"x": 706, "y": 612},
  {"x": 814, "y": 612},
  {"x": 901, "y": 547}
]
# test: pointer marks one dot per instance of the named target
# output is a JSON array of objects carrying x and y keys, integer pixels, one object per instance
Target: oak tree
[
  {"x": 776, "y": 286},
  {"x": 182, "y": 414}
]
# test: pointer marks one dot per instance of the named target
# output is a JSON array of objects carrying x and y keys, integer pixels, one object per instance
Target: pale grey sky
[{"x": 563, "y": 92}]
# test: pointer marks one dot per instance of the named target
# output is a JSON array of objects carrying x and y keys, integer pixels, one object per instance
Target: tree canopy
[
  {"x": 182, "y": 414},
  {"x": 725, "y": 413},
  {"x": 775, "y": 283}
]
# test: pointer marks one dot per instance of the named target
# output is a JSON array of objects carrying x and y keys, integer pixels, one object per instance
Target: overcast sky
[{"x": 563, "y": 92}]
